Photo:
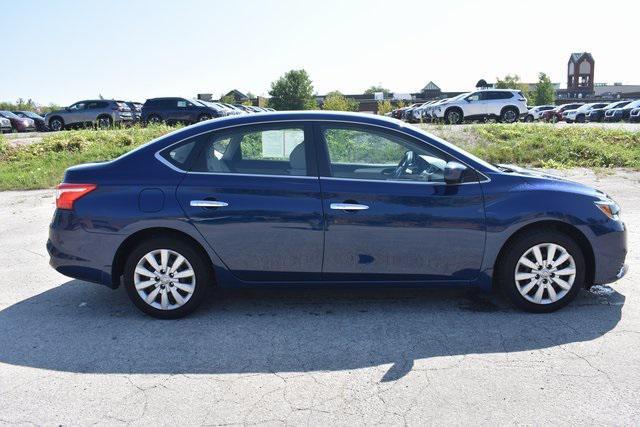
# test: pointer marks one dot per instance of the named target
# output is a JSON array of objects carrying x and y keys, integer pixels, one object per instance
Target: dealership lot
[{"x": 77, "y": 353}]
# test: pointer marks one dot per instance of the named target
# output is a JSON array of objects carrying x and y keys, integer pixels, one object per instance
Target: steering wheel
[{"x": 407, "y": 160}]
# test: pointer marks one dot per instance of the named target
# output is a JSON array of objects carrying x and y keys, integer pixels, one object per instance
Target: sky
[{"x": 62, "y": 51}]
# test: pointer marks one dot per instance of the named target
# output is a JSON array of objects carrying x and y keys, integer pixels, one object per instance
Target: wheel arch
[
  {"x": 563, "y": 227},
  {"x": 57, "y": 116},
  {"x": 125, "y": 248}
]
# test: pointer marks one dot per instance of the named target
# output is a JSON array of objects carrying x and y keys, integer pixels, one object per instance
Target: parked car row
[
  {"x": 18, "y": 121},
  {"x": 183, "y": 110},
  {"x": 627, "y": 110},
  {"x": 503, "y": 105},
  {"x": 508, "y": 106},
  {"x": 104, "y": 113}
]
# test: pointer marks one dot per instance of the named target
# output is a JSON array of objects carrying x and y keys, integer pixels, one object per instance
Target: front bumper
[{"x": 610, "y": 252}]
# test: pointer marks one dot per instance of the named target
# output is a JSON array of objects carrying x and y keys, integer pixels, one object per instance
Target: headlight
[{"x": 609, "y": 208}]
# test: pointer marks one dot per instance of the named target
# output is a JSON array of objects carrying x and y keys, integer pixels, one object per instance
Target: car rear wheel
[
  {"x": 509, "y": 115},
  {"x": 453, "y": 117},
  {"x": 528, "y": 118},
  {"x": 542, "y": 271},
  {"x": 154, "y": 119},
  {"x": 167, "y": 278},
  {"x": 56, "y": 124},
  {"x": 103, "y": 122}
]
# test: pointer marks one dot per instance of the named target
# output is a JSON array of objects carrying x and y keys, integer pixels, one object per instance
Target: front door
[
  {"x": 389, "y": 214},
  {"x": 254, "y": 194},
  {"x": 477, "y": 105}
]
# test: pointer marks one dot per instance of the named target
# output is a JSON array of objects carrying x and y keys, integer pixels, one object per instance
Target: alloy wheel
[
  {"x": 454, "y": 117},
  {"x": 164, "y": 279},
  {"x": 510, "y": 116},
  {"x": 56, "y": 124},
  {"x": 545, "y": 273}
]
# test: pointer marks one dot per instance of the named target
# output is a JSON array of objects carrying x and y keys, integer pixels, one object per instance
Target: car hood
[{"x": 532, "y": 175}]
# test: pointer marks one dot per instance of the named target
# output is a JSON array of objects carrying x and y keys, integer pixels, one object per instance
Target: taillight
[{"x": 67, "y": 194}]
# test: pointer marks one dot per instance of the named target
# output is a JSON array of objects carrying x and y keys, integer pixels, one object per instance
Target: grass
[
  {"x": 42, "y": 165},
  {"x": 548, "y": 146}
]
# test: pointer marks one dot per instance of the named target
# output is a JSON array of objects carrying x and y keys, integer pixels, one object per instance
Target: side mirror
[{"x": 453, "y": 172}]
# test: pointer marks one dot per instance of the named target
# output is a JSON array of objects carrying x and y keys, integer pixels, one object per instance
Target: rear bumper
[{"x": 80, "y": 254}]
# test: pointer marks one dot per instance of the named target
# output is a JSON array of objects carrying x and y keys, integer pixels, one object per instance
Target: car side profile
[
  {"x": 101, "y": 113},
  {"x": 535, "y": 113},
  {"x": 621, "y": 113},
  {"x": 19, "y": 124},
  {"x": 555, "y": 115},
  {"x": 38, "y": 120},
  {"x": 504, "y": 105},
  {"x": 178, "y": 110},
  {"x": 579, "y": 115},
  {"x": 327, "y": 199},
  {"x": 598, "y": 114}
]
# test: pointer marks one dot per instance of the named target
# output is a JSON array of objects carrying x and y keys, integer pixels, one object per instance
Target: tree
[
  {"x": 336, "y": 101},
  {"x": 292, "y": 91},
  {"x": 384, "y": 107},
  {"x": 512, "y": 82},
  {"x": 374, "y": 89},
  {"x": 544, "y": 93}
]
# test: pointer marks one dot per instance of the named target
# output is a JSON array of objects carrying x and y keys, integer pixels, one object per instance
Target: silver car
[
  {"x": 101, "y": 113},
  {"x": 5, "y": 125}
]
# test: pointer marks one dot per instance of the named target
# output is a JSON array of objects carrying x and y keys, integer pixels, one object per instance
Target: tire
[
  {"x": 581, "y": 118},
  {"x": 154, "y": 119},
  {"x": 193, "y": 288},
  {"x": 509, "y": 115},
  {"x": 104, "y": 122},
  {"x": 565, "y": 287},
  {"x": 56, "y": 124},
  {"x": 203, "y": 117},
  {"x": 554, "y": 119},
  {"x": 453, "y": 116},
  {"x": 528, "y": 118}
]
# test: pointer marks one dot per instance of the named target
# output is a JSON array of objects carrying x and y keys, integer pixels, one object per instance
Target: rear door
[
  {"x": 391, "y": 219},
  {"x": 254, "y": 194}
]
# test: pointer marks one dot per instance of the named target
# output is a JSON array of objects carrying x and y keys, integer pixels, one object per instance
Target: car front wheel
[
  {"x": 453, "y": 117},
  {"x": 542, "y": 271},
  {"x": 56, "y": 124},
  {"x": 166, "y": 278}
]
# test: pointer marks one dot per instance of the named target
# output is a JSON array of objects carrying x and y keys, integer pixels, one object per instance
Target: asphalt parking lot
[{"x": 77, "y": 353}]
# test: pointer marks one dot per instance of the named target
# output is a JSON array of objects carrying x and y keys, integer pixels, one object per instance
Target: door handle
[
  {"x": 348, "y": 206},
  {"x": 208, "y": 204}
]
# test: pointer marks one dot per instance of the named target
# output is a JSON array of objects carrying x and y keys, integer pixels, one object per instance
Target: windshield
[
  {"x": 455, "y": 98},
  {"x": 9, "y": 115},
  {"x": 616, "y": 105},
  {"x": 633, "y": 104}
]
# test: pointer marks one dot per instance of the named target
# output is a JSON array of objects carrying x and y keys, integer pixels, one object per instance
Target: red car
[
  {"x": 555, "y": 115},
  {"x": 18, "y": 123}
]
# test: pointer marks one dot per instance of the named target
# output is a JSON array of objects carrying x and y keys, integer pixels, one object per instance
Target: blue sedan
[{"x": 329, "y": 199}]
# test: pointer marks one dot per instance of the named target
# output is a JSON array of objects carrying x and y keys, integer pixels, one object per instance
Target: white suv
[{"x": 505, "y": 105}]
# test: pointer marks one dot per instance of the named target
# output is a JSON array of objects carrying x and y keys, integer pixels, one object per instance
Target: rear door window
[{"x": 273, "y": 149}]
